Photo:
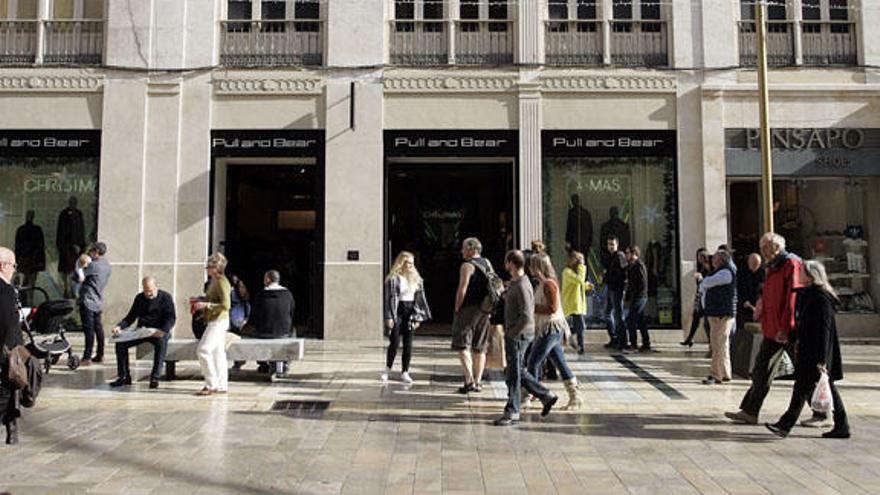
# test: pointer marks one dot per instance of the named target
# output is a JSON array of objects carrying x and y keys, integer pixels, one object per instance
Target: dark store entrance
[{"x": 433, "y": 206}]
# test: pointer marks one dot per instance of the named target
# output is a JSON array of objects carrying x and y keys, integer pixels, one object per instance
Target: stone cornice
[
  {"x": 29, "y": 81},
  {"x": 805, "y": 90},
  {"x": 267, "y": 85},
  {"x": 451, "y": 83},
  {"x": 568, "y": 83}
]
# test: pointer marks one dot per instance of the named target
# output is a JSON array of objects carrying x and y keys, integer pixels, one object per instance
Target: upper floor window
[
  {"x": 275, "y": 13},
  {"x": 825, "y": 10},
  {"x": 429, "y": 14},
  {"x": 18, "y": 9},
  {"x": 78, "y": 9}
]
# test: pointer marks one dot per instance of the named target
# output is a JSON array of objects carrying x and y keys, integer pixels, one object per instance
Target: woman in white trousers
[{"x": 212, "y": 347}]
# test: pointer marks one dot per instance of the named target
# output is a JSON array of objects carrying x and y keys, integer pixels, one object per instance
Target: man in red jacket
[{"x": 777, "y": 320}]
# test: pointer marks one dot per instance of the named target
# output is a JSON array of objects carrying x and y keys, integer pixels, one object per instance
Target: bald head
[
  {"x": 754, "y": 262},
  {"x": 149, "y": 285}
]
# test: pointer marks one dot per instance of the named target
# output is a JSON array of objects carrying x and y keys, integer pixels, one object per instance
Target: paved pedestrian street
[{"x": 648, "y": 426}]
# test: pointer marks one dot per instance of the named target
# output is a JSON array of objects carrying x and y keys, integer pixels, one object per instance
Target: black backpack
[{"x": 494, "y": 287}]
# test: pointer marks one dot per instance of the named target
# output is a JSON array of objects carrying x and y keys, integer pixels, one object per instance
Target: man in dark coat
[
  {"x": 615, "y": 227},
  {"x": 578, "y": 227},
  {"x": 30, "y": 250},
  {"x": 10, "y": 336}
]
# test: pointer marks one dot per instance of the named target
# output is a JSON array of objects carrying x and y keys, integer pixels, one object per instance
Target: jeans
[
  {"x": 549, "y": 345},
  {"x": 403, "y": 329},
  {"x": 212, "y": 355},
  {"x": 756, "y": 394},
  {"x": 614, "y": 318},
  {"x": 92, "y": 328},
  {"x": 578, "y": 325},
  {"x": 517, "y": 376},
  {"x": 160, "y": 345},
  {"x": 635, "y": 320}
]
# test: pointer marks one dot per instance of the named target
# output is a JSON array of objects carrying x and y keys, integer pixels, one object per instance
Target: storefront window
[
  {"x": 48, "y": 213},
  {"x": 827, "y": 219},
  {"x": 586, "y": 199}
]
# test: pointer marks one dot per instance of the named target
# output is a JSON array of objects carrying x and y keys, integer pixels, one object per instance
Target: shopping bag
[
  {"x": 495, "y": 357},
  {"x": 821, "y": 401},
  {"x": 780, "y": 364}
]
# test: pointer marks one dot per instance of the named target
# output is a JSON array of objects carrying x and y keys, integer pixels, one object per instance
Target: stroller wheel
[
  {"x": 73, "y": 362},
  {"x": 55, "y": 358},
  {"x": 47, "y": 365}
]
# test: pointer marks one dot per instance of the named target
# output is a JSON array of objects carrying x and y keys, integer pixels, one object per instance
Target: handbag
[
  {"x": 16, "y": 365},
  {"x": 495, "y": 353}
]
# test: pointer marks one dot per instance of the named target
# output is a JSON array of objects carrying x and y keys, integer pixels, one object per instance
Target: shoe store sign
[
  {"x": 267, "y": 143},
  {"x": 50, "y": 143},
  {"x": 830, "y": 151}
]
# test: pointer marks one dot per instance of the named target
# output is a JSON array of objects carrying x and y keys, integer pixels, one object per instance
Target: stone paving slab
[{"x": 630, "y": 437}]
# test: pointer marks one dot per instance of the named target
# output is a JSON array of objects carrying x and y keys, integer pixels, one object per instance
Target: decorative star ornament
[{"x": 651, "y": 214}]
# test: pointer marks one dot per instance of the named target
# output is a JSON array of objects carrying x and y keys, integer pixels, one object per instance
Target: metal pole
[{"x": 764, "y": 104}]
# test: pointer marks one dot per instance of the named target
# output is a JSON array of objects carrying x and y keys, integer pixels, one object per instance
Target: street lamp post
[{"x": 764, "y": 105}]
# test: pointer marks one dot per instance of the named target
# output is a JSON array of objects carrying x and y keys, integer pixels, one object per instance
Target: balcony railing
[
  {"x": 419, "y": 42},
  {"x": 829, "y": 43},
  {"x": 573, "y": 43},
  {"x": 780, "y": 44},
  {"x": 484, "y": 42},
  {"x": 639, "y": 43},
  {"x": 74, "y": 42},
  {"x": 262, "y": 43},
  {"x": 18, "y": 42}
]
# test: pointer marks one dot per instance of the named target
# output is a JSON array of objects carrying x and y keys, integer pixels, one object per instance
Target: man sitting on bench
[
  {"x": 271, "y": 313},
  {"x": 154, "y": 311}
]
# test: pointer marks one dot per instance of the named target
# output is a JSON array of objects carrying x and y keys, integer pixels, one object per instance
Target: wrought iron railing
[
  {"x": 829, "y": 43},
  {"x": 573, "y": 42},
  {"x": 271, "y": 43},
  {"x": 639, "y": 43},
  {"x": 74, "y": 42},
  {"x": 419, "y": 42},
  {"x": 484, "y": 42},
  {"x": 780, "y": 44},
  {"x": 18, "y": 42}
]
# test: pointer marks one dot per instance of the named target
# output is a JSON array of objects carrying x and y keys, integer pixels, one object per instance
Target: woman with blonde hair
[
  {"x": 405, "y": 309},
  {"x": 574, "y": 296},
  {"x": 551, "y": 329},
  {"x": 212, "y": 346}
]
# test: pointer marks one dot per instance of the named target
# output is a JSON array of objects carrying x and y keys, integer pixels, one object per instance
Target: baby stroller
[{"x": 48, "y": 319}]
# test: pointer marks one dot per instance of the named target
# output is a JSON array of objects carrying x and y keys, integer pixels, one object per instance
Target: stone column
[
  {"x": 530, "y": 32},
  {"x": 719, "y": 34},
  {"x": 714, "y": 188},
  {"x": 354, "y": 172},
  {"x": 530, "y": 195}
]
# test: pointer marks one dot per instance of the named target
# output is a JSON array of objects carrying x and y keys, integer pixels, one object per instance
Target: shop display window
[
  {"x": 634, "y": 198},
  {"x": 48, "y": 215},
  {"x": 829, "y": 220}
]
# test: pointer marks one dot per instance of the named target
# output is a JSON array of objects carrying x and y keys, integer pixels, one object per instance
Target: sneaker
[
  {"x": 505, "y": 421},
  {"x": 85, "y": 362},
  {"x": 645, "y": 348},
  {"x": 405, "y": 378},
  {"x": 384, "y": 376},
  {"x": 98, "y": 359},
  {"x": 742, "y": 417},
  {"x": 816, "y": 421},
  {"x": 154, "y": 384},
  {"x": 711, "y": 380}
]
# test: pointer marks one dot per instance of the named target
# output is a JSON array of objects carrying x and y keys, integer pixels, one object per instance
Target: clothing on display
[{"x": 70, "y": 237}]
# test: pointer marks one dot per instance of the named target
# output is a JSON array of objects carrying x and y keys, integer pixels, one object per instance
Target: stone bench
[{"x": 277, "y": 352}]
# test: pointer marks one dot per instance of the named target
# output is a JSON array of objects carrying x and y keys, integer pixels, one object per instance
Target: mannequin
[
  {"x": 30, "y": 251},
  {"x": 578, "y": 227},
  {"x": 70, "y": 240}
]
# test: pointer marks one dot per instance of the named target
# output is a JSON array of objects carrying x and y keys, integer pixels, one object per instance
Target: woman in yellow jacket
[{"x": 574, "y": 296}]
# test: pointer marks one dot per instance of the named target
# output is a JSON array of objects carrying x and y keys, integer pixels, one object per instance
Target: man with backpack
[{"x": 479, "y": 288}]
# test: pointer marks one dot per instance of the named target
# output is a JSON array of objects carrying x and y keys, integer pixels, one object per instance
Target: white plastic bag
[{"x": 821, "y": 401}]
